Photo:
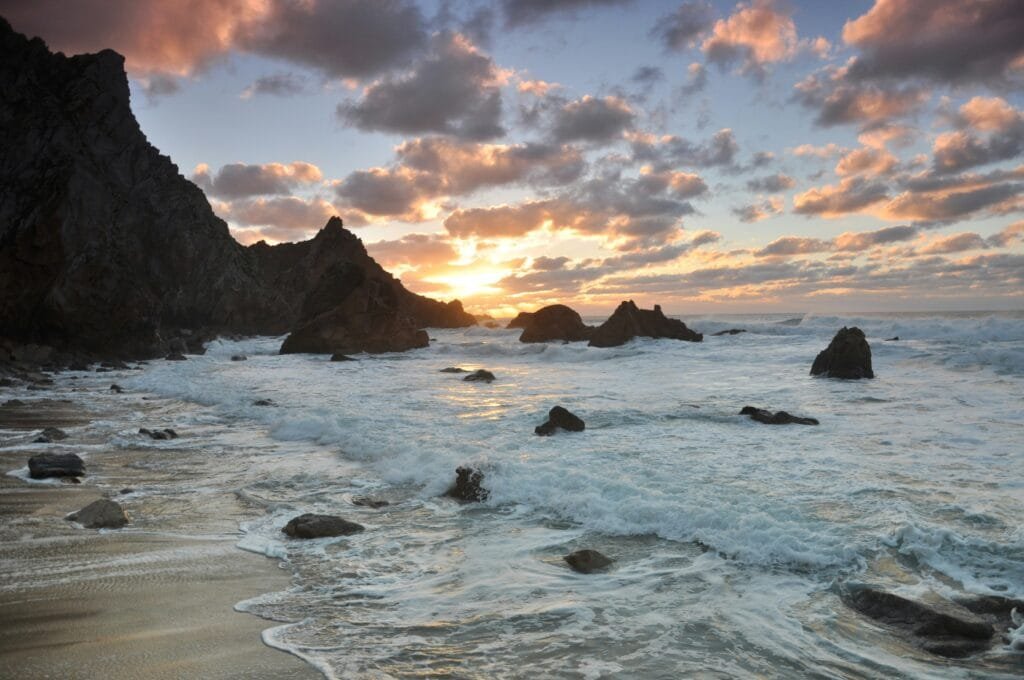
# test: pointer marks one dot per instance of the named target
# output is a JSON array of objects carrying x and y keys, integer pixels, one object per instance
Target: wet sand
[{"x": 131, "y": 604}]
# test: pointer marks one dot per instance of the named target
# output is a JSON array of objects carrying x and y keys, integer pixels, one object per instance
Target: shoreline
[{"x": 130, "y": 603}]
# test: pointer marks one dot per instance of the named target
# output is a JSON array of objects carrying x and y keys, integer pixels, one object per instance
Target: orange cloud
[{"x": 755, "y": 34}]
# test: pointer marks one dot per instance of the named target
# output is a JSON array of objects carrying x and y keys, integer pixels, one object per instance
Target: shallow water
[{"x": 731, "y": 538}]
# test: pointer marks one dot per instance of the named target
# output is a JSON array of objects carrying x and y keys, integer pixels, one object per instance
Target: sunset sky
[{"x": 707, "y": 156}]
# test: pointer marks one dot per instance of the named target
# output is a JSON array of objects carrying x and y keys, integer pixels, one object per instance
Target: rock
[
  {"x": 164, "y": 434},
  {"x": 453, "y": 369},
  {"x": 779, "y": 418},
  {"x": 175, "y": 356},
  {"x": 467, "y": 487},
  {"x": 555, "y": 323},
  {"x": 320, "y": 526},
  {"x": 559, "y": 417},
  {"x": 587, "y": 561},
  {"x": 108, "y": 250},
  {"x": 848, "y": 356},
  {"x": 116, "y": 388},
  {"x": 521, "y": 321},
  {"x": 127, "y": 490},
  {"x": 628, "y": 321},
  {"x": 491, "y": 324},
  {"x": 45, "y": 465},
  {"x": 264, "y": 402},
  {"x": 116, "y": 365},
  {"x": 731, "y": 331},
  {"x": 893, "y": 338},
  {"x": 6, "y": 382},
  {"x": 101, "y": 514},
  {"x": 239, "y": 357},
  {"x": 480, "y": 375},
  {"x": 944, "y": 629},
  {"x": 53, "y": 434},
  {"x": 78, "y": 366},
  {"x": 367, "y": 502},
  {"x": 341, "y": 357}
]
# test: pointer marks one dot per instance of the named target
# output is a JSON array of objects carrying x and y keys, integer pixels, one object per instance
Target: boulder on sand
[
  {"x": 779, "y": 418},
  {"x": 559, "y": 417},
  {"x": 848, "y": 356},
  {"x": 310, "y": 525},
  {"x": 480, "y": 375},
  {"x": 45, "y": 465},
  {"x": 629, "y": 321},
  {"x": 587, "y": 561},
  {"x": 555, "y": 323},
  {"x": 943, "y": 628},
  {"x": 467, "y": 487},
  {"x": 101, "y": 514}
]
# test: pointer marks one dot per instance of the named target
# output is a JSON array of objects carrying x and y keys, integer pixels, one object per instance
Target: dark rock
[
  {"x": 467, "y": 487},
  {"x": 521, "y": 321},
  {"x": 53, "y": 434},
  {"x": 731, "y": 331},
  {"x": 480, "y": 375},
  {"x": 45, "y": 465},
  {"x": 70, "y": 480},
  {"x": 118, "y": 365},
  {"x": 103, "y": 370},
  {"x": 342, "y": 357},
  {"x": 555, "y": 323},
  {"x": 164, "y": 434},
  {"x": 779, "y": 418},
  {"x": 587, "y": 561},
  {"x": 264, "y": 402},
  {"x": 453, "y": 369},
  {"x": 367, "y": 502},
  {"x": 6, "y": 382},
  {"x": 848, "y": 356},
  {"x": 943, "y": 628},
  {"x": 116, "y": 388},
  {"x": 127, "y": 490},
  {"x": 893, "y": 338},
  {"x": 78, "y": 366},
  {"x": 628, "y": 321},
  {"x": 320, "y": 526},
  {"x": 106, "y": 249},
  {"x": 559, "y": 417},
  {"x": 14, "y": 402},
  {"x": 101, "y": 514},
  {"x": 175, "y": 356},
  {"x": 239, "y": 357},
  {"x": 36, "y": 388}
]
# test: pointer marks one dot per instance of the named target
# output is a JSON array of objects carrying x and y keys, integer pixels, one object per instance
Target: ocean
[{"x": 732, "y": 540}]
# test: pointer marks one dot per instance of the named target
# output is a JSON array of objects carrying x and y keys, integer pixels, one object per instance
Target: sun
[{"x": 467, "y": 284}]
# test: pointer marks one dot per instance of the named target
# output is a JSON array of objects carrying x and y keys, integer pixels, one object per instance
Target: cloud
[
  {"x": 867, "y": 161},
  {"x": 1003, "y": 138},
  {"x": 793, "y": 245},
  {"x": 851, "y": 195},
  {"x": 238, "y": 180},
  {"x": 957, "y": 243},
  {"x": 283, "y": 213},
  {"x": 859, "y": 241},
  {"x": 696, "y": 78},
  {"x": 755, "y": 35},
  {"x": 1006, "y": 237},
  {"x": 671, "y": 151},
  {"x": 681, "y": 29},
  {"x": 954, "y": 204},
  {"x": 943, "y": 41},
  {"x": 830, "y": 150},
  {"x": 419, "y": 252},
  {"x": 839, "y": 101},
  {"x": 755, "y": 212},
  {"x": 277, "y": 84},
  {"x": 341, "y": 38},
  {"x": 592, "y": 120},
  {"x": 456, "y": 90},
  {"x": 772, "y": 183},
  {"x": 524, "y": 12}
]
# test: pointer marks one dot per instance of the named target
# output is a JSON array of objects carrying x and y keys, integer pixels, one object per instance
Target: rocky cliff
[{"x": 106, "y": 248}]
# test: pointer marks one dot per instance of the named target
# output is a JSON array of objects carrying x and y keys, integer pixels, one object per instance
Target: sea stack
[
  {"x": 848, "y": 356},
  {"x": 629, "y": 321},
  {"x": 555, "y": 323}
]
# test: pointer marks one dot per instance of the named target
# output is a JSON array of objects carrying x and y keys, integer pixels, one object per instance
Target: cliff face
[{"x": 106, "y": 248}]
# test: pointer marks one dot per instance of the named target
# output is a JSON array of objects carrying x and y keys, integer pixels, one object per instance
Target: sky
[{"x": 708, "y": 156}]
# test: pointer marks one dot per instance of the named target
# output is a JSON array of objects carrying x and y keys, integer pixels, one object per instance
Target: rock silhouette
[
  {"x": 468, "y": 486},
  {"x": 45, "y": 465},
  {"x": 629, "y": 321},
  {"x": 848, "y": 356},
  {"x": 555, "y": 323},
  {"x": 101, "y": 514},
  {"x": 587, "y": 561},
  {"x": 779, "y": 418},
  {"x": 311, "y": 525},
  {"x": 559, "y": 417}
]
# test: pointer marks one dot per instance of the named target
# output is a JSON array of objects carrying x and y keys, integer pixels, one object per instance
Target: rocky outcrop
[
  {"x": 629, "y": 321},
  {"x": 555, "y": 323},
  {"x": 778, "y": 418},
  {"x": 310, "y": 525},
  {"x": 560, "y": 418},
  {"x": 101, "y": 514},
  {"x": 942, "y": 628},
  {"x": 848, "y": 356},
  {"x": 730, "y": 331},
  {"x": 587, "y": 561},
  {"x": 468, "y": 486},
  {"x": 45, "y": 465},
  {"x": 522, "y": 320},
  {"x": 480, "y": 375},
  {"x": 107, "y": 250}
]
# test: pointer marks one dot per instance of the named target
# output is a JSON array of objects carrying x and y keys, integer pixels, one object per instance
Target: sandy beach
[{"x": 132, "y": 603}]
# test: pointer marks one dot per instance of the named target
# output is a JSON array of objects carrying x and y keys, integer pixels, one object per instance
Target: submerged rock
[
  {"x": 45, "y": 465},
  {"x": 848, "y": 356},
  {"x": 555, "y": 323},
  {"x": 893, "y": 338},
  {"x": 731, "y": 331},
  {"x": 320, "y": 526},
  {"x": 117, "y": 389},
  {"x": 779, "y": 418},
  {"x": 587, "y": 561},
  {"x": 468, "y": 486},
  {"x": 175, "y": 356},
  {"x": 453, "y": 369},
  {"x": 342, "y": 357},
  {"x": 629, "y": 321},
  {"x": 559, "y": 417},
  {"x": 367, "y": 502},
  {"x": 101, "y": 514},
  {"x": 264, "y": 402},
  {"x": 49, "y": 435},
  {"x": 166, "y": 433},
  {"x": 944, "y": 629},
  {"x": 239, "y": 357},
  {"x": 480, "y": 375}
]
